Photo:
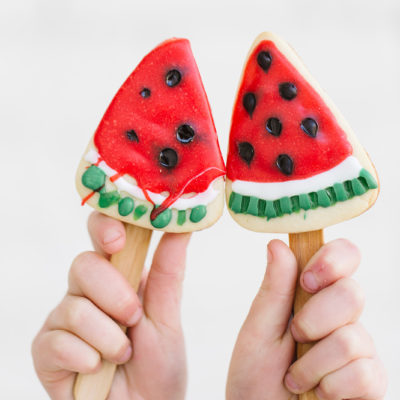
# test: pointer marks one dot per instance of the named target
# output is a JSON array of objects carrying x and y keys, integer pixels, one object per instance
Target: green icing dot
[
  {"x": 108, "y": 199},
  {"x": 236, "y": 202},
  {"x": 304, "y": 201},
  {"x": 371, "y": 182},
  {"x": 358, "y": 188},
  {"x": 270, "y": 210},
  {"x": 286, "y": 206},
  {"x": 139, "y": 212},
  {"x": 125, "y": 206},
  {"x": 163, "y": 219},
  {"x": 261, "y": 208},
  {"x": 323, "y": 199},
  {"x": 252, "y": 208},
  {"x": 340, "y": 192},
  {"x": 198, "y": 213},
  {"x": 93, "y": 178},
  {"x": 181, "y": 217}
]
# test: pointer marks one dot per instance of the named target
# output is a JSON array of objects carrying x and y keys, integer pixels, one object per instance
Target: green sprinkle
[
  {"x": 198, "y": 213},
  {"x": 252, "y": 208},
  {"x": 332, "y": 196},
  {"x": 163, "y": 219},
  {"x": 139, "y": 212},
  {"x": 371, "y": 182},
  {"x": 270, "y": 210},
  {"x": 358, "y": 188},
  {"x": 323, "y": 199},
  {"x": 261, "y": 208},
  {"x": 304, "y": 201},
  {"x": 108, "y": 199},
  {"x": 340, "y": 192},
  {"x": 349, "y": 189},
  {"x": 93, "y": 178},
  {"x": 286, "y": 205},
  {"x": 236, "y": 205},
  {"x": 181, "y": 217},
  {"x": 125, "y": 206}
]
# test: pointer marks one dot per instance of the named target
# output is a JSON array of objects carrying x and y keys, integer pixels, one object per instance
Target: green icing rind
[
  {"x": 125, "y": 206},
  {"x": 181, "y": 217},
  {"x": 93, "y": 178},
  {"x": 109, "y": 198},
  {"x": 339, "y": 192},
  {"x": 162, "y": 220},
  {"x": 139, "y": 212},
  {"x": 198, "y": 213}
]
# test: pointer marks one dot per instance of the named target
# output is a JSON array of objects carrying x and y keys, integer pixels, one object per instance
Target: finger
[
  {"x": 107, "y": 234},
  {"x": 81, "y": 317},
  {"x": 272, "y": 307},
  {"x": 331, "y": 308},
  {"x": 364, "y": 378},
  {"x": 164, "y": 282},
  {"x": 335, "y": 260},
  {"x": 60, "y": 350},
  {"x": 335, "y": 351},
  {"x": 94, "y": 277}
]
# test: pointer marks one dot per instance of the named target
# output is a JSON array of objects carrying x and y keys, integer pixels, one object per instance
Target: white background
[{"x": 60, "y": 64}]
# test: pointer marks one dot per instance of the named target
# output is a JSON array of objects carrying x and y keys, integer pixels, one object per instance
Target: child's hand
[
  {"x": 342, "y": 365},
  {"x": 82, "y": 329}
]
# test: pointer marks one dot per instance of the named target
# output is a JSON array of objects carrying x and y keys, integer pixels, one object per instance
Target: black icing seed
[
  {"x": 132, "y": 136},
  {"x": 246, "y": 151},
  {"x": 185, "y": 133},
  {"x": 285, "y": 164},
  {"x": 168, "y": 158},
  {"x": 287, "y": 90},
  {"x": 173, "y": 77},
  {"x": 310, "y": 127},
  {"x": 249, "y": 102},
  {"x": 274, "y": 126},
  {"x": 145, "y": 93},
  {"x": 264, "y": 60}
]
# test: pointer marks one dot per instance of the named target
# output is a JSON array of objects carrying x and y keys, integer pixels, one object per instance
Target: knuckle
[
  {"x": 302, "y": 328},
  {"x": 76, "y": 312},
  {"x": 364, "y": 374},
  {"x": 326, "y": 391},
  {"x": 348, "y": 342},
  {"x": 350, "y": 290},
  {"x": 92, "y": 363},
  {"x": 126, "y": 304},
  {"x": 80, "y": 262}
]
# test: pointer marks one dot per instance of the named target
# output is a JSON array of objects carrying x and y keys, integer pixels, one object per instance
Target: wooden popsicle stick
[
  {"x": 304, "y": 245},
  {"x": 129, "y": 261}
]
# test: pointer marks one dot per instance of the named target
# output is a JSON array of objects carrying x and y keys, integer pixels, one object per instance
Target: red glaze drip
[
  {"x": 155, "y": 120},
  {"x": 99, "y": 160},
  {"x": 115, "y": 177},
  {"x": 85, "y": 199},
  {"x": 311, "y": 156}
]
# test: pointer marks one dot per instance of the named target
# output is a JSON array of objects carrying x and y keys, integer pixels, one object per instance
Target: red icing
[
  {"x": 155, "y": 120},
  {"x": 85, "y": 199},
  {"x": 311, "y": 156}
]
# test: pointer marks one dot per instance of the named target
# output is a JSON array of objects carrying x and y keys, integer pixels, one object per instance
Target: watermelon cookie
[
  {"x": 294, "y": 165},
  {"x": 154, "y": 160}
]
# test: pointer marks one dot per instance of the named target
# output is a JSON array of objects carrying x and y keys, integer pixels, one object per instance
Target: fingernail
[
  {"x": 135, "y": 317},
  {"x": 291, "y": 384},
  {"x": 310, "y": 281},
  {"x": 111, "y": 236},
  {"x": 127, "y": 355}
]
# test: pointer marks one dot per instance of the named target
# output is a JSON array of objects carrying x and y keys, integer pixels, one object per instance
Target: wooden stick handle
[
  {"x": 129, "y": 261},
  {"x": 304, "y": 246}
]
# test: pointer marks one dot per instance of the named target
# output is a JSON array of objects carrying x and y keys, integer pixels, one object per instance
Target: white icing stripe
[
  {"x": 348, "y": 169},
  {"x": 203, "y": 198}
]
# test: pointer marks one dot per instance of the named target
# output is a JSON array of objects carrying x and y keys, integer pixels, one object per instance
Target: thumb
[
  {"x": 272, "y": 307},
  {"x": 162, "y": 294}
]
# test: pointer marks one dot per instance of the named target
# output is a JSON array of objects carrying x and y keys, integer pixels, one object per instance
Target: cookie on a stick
[
  {"x": 154, "y": 163},
  {"x": 294, "y": 165}
]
